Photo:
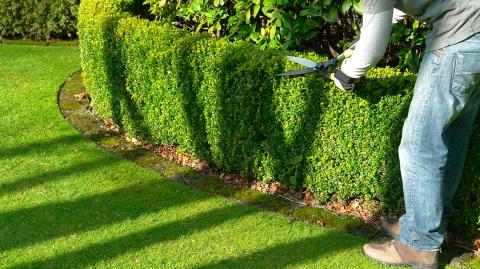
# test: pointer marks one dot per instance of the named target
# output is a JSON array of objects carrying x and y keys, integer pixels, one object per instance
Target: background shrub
[
  {"x": 221, "y": 101},
  {"x": 38, "y": 19},
  {"x": 319, "y": 25},
  {"x": 269, "y": 23}
]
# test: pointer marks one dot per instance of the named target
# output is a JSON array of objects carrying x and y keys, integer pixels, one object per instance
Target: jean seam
[
  {"x": 452, "y": 76},
  {"x": 438, "y": 59}
]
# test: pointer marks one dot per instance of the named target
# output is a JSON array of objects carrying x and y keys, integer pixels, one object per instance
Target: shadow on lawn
[
  {"x": 25, "y": 227},
  {"x": 289, "y": 254},
  {"x": 55, "y": 175},
  {"x": 40, "y": 146},
  {"x": 273, "y": 257}
]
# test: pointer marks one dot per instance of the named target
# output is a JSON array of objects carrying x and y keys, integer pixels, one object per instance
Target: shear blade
[
  {"x": 302, "y": 61},
  {"x": 297, "y": 72}
]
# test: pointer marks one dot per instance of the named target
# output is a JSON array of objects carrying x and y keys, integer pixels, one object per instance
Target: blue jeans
[{"x": 435, "y": 140}]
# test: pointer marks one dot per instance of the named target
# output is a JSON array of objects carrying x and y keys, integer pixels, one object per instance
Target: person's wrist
[{"x": 343, "y": 81}]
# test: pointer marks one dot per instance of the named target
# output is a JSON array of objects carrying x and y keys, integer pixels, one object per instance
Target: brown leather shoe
[
  {"x": 391, "y": 226},
  {"x": 397, "y": 254}
]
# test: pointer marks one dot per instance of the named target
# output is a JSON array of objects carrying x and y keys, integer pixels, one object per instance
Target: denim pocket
[{"x": 466, "y": 75}]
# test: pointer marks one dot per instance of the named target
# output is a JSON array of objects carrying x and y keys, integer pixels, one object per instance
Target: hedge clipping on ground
[{"x": 221, "y": 101}]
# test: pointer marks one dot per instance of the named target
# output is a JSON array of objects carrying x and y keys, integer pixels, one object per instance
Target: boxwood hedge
[{"x": 221, "y": 101}]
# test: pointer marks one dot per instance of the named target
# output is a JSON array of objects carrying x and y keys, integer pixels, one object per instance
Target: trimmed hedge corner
[{"x": 221, "y": 101}]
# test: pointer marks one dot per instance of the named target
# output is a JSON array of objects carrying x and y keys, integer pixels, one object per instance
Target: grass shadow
[
  {"x": 289, "y": 254},
  {"x": 278, "y": 256},
  {"x": 40, "y": 146},
  {"x": 29, "y": 226},
  {"x": 92, "y": 254},
  {"x": 77, "y": 169}
]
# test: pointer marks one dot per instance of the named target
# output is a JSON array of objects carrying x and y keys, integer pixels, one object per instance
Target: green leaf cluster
[
  {"x": 408, "y": 43},
  {"x": 221, "y": 101},
  {"x": 268, "y": 23},
  {"x": 38, "y": 19}
]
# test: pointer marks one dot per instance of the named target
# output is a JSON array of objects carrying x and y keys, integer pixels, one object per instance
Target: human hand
[{"x": 342, "y": 81}]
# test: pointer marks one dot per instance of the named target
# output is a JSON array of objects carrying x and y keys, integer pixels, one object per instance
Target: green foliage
[
  {"x": 408, "y": 43},
  {"x": 268, "y": 23},
  {"x": 306, "y": 24},
  {"x": 38, "y": 19},
  {"x": 221, "y": 101}
]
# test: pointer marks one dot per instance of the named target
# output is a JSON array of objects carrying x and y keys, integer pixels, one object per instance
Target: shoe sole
[{"x": 414, "y": 265}]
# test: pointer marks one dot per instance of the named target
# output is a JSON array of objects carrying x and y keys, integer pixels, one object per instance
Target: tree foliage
[{"x": 269, "y": 23}]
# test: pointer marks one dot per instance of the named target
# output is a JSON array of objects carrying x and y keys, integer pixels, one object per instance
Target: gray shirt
[{"x": 450, "y": 21}]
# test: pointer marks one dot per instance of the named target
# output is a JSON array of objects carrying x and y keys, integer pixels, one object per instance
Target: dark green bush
[
  {"x": 221, "y": 101},
  {"x": 268, "y": 23},
  {"x": 38, "y": 19}
]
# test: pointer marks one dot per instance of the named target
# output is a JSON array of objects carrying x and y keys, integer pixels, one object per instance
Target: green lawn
[{"x": 66, "y": 203}]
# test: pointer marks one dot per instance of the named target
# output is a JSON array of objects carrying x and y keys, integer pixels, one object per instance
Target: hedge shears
[{"x": 323, "y": 67}]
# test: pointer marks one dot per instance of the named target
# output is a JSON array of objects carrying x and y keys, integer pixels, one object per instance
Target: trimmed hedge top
[{"x": 221, "y": 101}]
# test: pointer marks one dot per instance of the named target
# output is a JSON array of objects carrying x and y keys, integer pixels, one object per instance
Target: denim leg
[
  {"x": 435, "y": 140},
  {"x": 458, "y": 131}
]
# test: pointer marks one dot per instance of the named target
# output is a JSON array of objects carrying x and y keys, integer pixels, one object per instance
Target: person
[{"x": 437, "y": 130}]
